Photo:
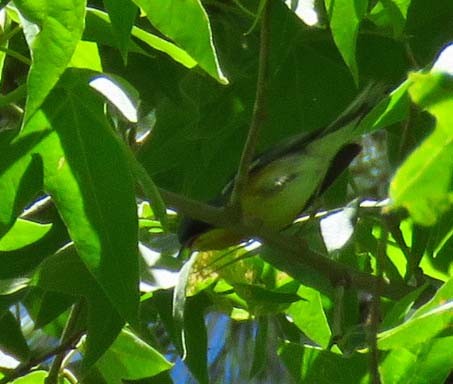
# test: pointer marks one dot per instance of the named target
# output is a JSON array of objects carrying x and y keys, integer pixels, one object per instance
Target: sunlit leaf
[
  {"x": 309, "y": 316},
  {"x": 86, "y": 55},
  {"x": 422, "y": 184},
  {"x": 427, "y": 322},
  {"x": 22, "y": 233},
  {"x": 187, "y": 23},
  {"x": 60, "y": 25},
  {"x": 345, "y": 17}
]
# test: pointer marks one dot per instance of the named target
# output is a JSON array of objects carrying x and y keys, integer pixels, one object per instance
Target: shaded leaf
[
  {"x": 122, "y": 14},
  {"x": 312, "y": 365},
  {"x": 65, "y": 272},
  {"x": 12, "y": 340},
  {"x": 130, "y": 358}
]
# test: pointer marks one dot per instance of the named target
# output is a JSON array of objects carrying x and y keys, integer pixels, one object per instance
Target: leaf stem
[
  {"x": 259, "y": 111},
  {"x": 373, "y": 327}
]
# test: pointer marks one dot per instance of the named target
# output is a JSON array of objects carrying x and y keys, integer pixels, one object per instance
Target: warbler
[{"x": 285, "y": 179}]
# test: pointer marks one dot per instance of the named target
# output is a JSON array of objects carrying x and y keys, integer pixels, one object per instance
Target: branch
[
  {"x": 25, "y": 368},
  {"x": 295, "y": 258},
  {"x": 67, "y": 333},
  {"x": 259, "y": 111}
]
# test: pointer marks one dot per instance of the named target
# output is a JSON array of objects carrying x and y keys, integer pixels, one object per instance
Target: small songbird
[{"x": 284, "y": 180}]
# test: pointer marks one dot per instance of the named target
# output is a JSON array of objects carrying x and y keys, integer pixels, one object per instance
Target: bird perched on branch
[{"x": 284, "y": 180}]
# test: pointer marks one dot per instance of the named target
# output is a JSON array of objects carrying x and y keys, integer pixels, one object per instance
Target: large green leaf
[
  {"x": 187, "y": 23},
  {"x": 86, "y": 173},
  {"x": 422, "y": 184},
  {"x": 345, "y": 17},
  {"x": 60, "y": 26},
  {"x": 64, "y": 272}
]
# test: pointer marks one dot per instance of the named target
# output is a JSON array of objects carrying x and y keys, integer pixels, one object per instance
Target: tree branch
[
  {"x": 295, "y": 258},
  {"x": 26, "y": 367},
  {"x": 67, "y": 333}
]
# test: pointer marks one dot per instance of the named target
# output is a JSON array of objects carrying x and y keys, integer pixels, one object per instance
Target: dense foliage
[{"x": 119, "y": 117}]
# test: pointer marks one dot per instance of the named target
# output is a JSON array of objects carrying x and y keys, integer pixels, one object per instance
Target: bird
[{"x": 284, "y": 180}]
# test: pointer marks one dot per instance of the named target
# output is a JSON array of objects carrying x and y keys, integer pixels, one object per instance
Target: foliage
[{"x": 119, "y": 117}]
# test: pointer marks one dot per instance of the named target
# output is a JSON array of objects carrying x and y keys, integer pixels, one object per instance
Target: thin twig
[
  {"x": 67, "y": 333},
  {"x": 373, "y": 327},
  {"x": 259, "y": 111},
  {"x": 16, "y": 55},
  {"x": 26, "y": 367}
]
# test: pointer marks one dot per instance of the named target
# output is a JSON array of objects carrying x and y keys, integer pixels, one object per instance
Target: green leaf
[
  {"x": 86, "y": 55},
  {"x": 195, "y": 336},
  {"x": 45, "y": 306},
  {"x": 87, "y": 175},
  {"x": 130, "y": 358},
  {"x": 187, "y": 23},
  {"x": 400, "y": 309},
  {"x": 429, "y": 362},
  {"x": 36, "y": 377},
  {"x": 122, "y": 13},
  {"x": 19, "y": 262},
  {"x": 427, "y": 322},
  {"x": 309, "y": 316},
  {"x": 309, "y": 364},
  {"x": 345, "y": 17},
  {"x": 64, "y": 272},
  {"x": 391, "y": 13},
  {"x": 60, "y": 25},
  {"x": 12, "y": 340},
  {"x": 422, "y": 184},
  {"x": 99, "y": 30},
  {"x": 22, "y": 233},
  {"x": 20, "y": 175}
]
